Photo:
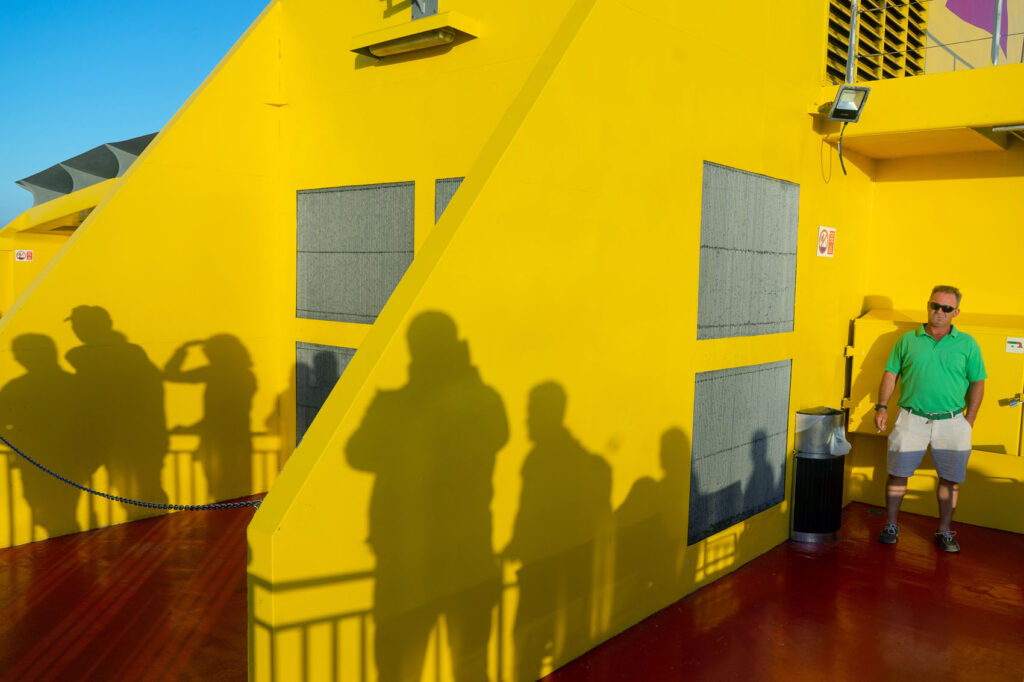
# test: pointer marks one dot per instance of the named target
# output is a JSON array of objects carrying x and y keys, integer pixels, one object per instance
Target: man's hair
[{"x": 941, "y": 289}]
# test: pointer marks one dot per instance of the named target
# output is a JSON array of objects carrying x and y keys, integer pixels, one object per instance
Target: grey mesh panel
[
  {"x": 348, "y": 287},
  {"x": 317, "y": 370},
  {"x": 354, "y": 245},
  {"x": 444, "y": 190},
  {"x": 748, "y": 235},
  {"x": 740, "y": 426}
]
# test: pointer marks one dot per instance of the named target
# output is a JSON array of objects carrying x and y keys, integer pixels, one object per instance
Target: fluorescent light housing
[
  {"x": 849, "y": 103},
  {"x": 436, "y": 30},
  {"x": 417, "y": 41}
]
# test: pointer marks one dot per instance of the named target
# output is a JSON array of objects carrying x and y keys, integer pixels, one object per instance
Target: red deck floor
[
  {"x": 158, "y": 599},
  {"x": 164, "y": 599},
  {"x": 853, "y": 610}
]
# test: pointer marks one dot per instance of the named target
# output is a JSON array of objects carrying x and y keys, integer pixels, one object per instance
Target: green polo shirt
[{"x": 934, "y": 375}]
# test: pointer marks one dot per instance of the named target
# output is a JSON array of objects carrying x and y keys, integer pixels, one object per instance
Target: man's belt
[{"x": 932, "y": 416}]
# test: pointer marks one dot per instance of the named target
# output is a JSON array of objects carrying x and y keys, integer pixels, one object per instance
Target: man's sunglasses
[{"x": 937, "y": 306}]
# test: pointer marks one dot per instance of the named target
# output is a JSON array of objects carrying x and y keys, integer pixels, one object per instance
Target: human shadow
[
  {"x": 122, "y": 401},
  {"x": 432, "y": 446},
  {"x": 650, "y": 536},
  {"x": 225, "y": 438},
  {"x": 39, "y": 415},
  {"x": 766, "y": 486},
  {"x": 865, "y": 383},
  {"x": 565, "y": 509},
  {"x": 313, "y": 384}
]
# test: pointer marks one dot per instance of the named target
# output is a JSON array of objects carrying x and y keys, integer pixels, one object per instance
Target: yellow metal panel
[{"x": 922, "y": 143}]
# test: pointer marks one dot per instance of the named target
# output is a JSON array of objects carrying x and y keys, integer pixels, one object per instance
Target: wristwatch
[{"x": 880, "y": 406}]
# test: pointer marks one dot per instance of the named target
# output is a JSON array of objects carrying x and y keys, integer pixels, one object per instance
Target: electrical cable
[{"x": 841, "y": 164}]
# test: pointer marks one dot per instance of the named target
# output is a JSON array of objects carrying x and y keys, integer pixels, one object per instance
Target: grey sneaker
[
  {"x": 890, "y": 534},
  {"x": 946, "y": 542}
]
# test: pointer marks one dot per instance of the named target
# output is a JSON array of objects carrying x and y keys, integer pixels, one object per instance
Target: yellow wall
[
  {"x": 570, "y": 255},
  {"x": 189, "y": 246}
]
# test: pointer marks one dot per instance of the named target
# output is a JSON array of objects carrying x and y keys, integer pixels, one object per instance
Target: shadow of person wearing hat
[{"x": 123, "y": 396}]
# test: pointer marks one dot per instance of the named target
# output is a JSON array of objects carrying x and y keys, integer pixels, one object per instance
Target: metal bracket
[
  {"x": 1011, "y": 402},
  {"x": 423, "y": 8},
  {"x": 848, "y": 352}
]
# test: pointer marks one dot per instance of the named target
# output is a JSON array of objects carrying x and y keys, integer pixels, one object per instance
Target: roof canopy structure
[{"x": 109, "y": 160}]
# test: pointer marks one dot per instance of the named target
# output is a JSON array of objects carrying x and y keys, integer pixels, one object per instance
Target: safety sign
[
  {"x": 826, "y": 241},
  {"x": 1015, "y": 344},
  {"x": 23, "y": 254}
]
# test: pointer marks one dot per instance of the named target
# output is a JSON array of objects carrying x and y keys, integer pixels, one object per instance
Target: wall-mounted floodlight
[
  {"x": 847, "y": 107},
  {"x": 849, "y": 103},
  {"x": 436, "y": 30},
  {"x": 416, "y": 41}
]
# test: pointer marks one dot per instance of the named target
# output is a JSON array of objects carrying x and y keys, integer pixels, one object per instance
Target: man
[{"x": 941, "y": 371}]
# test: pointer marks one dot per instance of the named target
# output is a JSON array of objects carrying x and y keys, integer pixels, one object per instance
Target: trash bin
[{"x": 821, "y": 449}]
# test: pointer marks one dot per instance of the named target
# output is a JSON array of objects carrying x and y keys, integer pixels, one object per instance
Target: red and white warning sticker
[
  {"x": 23, "y": 255},
  {"x": 826, "y": 241}
]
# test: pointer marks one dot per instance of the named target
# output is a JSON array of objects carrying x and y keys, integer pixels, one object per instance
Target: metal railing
[{"x": 1014, "y": 52}]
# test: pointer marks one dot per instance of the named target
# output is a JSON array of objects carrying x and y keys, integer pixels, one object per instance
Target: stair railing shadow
[{"x": 350, "y": 633}]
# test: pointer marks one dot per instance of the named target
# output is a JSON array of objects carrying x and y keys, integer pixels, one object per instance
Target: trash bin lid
[{"x": 819, "y": 411}]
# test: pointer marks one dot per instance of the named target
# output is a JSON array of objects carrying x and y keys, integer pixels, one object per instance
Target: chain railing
[{"x": 181, "y": 476}]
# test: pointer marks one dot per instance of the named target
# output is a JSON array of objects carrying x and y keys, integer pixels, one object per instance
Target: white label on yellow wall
[
  {"x": 23, "y": 255},
  {"x": 1015, "y": 344},
  {"x": 826, "y": 241}
]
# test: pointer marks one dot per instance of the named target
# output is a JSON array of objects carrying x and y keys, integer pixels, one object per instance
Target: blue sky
[{"x": 78, "y": 73}]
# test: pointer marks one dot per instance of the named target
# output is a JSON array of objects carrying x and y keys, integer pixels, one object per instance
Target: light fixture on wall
[
  {"x": 847, "y": 107},
  {"x": 432, "y": 31},
  {"x": 849, "y": 103},
  {"x": 411, "y": 43}
]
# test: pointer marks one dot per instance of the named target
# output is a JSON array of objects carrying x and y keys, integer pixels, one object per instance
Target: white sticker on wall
[
  {"x": 1015, "y": 344},
  {"x": 826, "y": 241},
  {"x": 23, "y": 255}
]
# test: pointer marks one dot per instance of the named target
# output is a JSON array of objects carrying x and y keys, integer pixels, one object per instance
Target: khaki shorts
[{"x": 950, "y": 440}]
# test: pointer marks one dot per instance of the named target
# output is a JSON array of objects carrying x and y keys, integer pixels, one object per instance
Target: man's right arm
[{"x": 885, "y": 390}]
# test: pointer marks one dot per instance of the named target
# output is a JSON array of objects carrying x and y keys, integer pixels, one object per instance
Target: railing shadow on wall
[
  {"x": 182, "y": 476},
  {"x": 339, "y": 646}
]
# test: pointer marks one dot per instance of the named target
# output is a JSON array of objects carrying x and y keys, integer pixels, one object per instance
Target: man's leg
[
  {"x": 895, "y": 490},
  {"x": 947, "y": 494},
  {"x": 951, "y": 450},
  {"x": 907, "y": 444}
]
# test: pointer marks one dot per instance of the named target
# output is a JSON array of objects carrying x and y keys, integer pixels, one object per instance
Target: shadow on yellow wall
[
  {"x": 443, "y": 600},
  {"x": 431, "y": 446},
  {"x": 104, "y": 426}
]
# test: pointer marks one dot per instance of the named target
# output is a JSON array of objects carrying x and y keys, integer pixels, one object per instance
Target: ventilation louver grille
[{"x": 891, "y": 39}]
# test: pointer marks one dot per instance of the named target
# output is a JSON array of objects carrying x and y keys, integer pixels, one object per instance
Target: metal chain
[{"x": 255, "y": 504}]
